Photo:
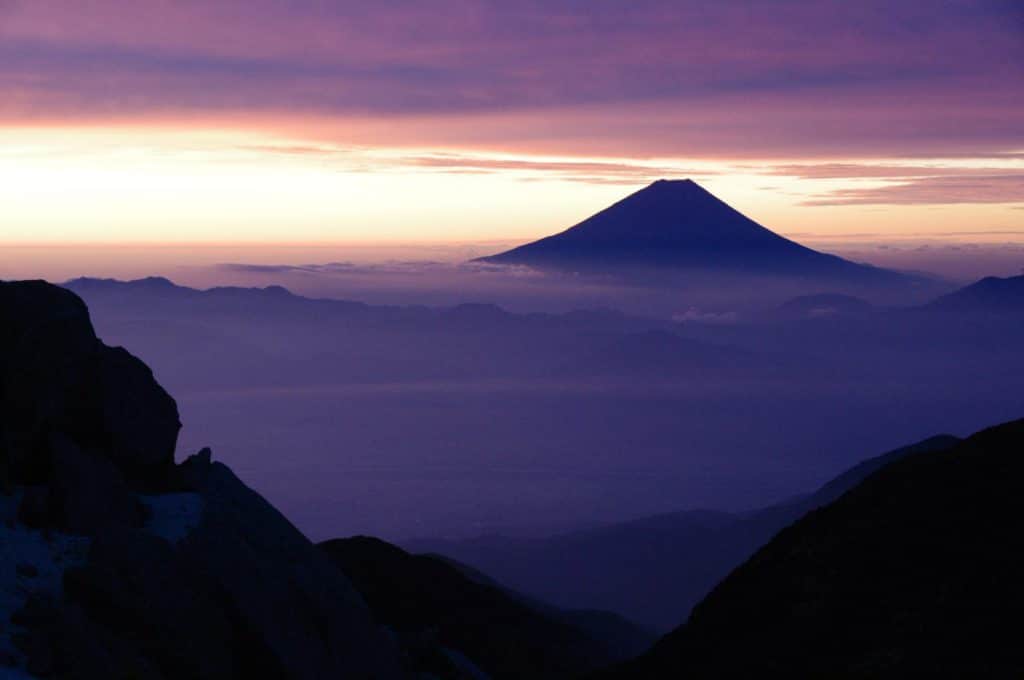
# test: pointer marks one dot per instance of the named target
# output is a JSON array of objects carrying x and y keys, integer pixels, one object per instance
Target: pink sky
[{"x": 464, "y": 120}]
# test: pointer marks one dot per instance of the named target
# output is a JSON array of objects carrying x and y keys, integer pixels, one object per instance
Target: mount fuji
[{"x": 678, "y": 225}]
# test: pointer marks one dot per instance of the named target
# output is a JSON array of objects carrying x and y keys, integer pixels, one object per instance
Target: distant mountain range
[
  {"x": 991, "y": 294},
  {"x": 677, "y": 224},
  {"x": 600, "y": 384},
  {"x": 371, "y": 342}
]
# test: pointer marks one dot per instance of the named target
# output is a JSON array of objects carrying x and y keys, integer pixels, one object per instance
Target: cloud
[
  {"x": 625, "y": 172},
  {"x": 662, "y": 77},
  {"x": 882, "y": 171},
  {"x": 981, "y": 187},
  {"x": 245, "y": 268},
  {"x": 402, "y": 267},
  {"x": 579, "y": 171},
  {"x": 695, "y": 315}
]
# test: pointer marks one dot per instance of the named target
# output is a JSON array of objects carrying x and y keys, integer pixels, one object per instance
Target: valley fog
[{"x": 412, "y": 422}]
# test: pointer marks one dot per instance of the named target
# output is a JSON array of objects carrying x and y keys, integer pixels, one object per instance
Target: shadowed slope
[
  {"x": 117, "y": 563},
  {"x": 436, "y": 608},
  {"x": 913, "y": 573}
]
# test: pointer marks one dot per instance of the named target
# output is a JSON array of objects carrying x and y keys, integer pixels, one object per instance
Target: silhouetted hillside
[
  {"x": 913, "y": 573},
  {"x": 678, "y": 224},
  {"x": 117, "y": 563},
  {"x": 437, "y": 610},
  {"x": 991, "y": 294},
  {"x": 651, "y": 570}
]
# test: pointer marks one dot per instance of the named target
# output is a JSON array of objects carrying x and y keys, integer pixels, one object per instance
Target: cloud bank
[{"x": 636, "y": 78}]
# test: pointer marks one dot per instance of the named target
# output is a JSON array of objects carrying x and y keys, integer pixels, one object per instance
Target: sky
[{"x": 269, "y": 122}]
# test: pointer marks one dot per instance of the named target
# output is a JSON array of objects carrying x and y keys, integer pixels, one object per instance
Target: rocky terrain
[{"x": 119, "y": 563}]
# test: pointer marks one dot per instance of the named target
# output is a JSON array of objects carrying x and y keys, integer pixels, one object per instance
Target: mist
[{"x": 456, "y": 421}]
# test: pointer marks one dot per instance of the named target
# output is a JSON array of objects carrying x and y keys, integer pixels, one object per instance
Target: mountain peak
[
  {"x": 678, "y": 224},
  {"x": 675, "y": 183}
]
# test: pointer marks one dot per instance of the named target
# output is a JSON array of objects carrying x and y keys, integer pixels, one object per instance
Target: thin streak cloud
[{"x": 972, "y": 188}]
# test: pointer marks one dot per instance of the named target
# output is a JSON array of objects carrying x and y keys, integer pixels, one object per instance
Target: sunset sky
[{"x": 463, "y": 120}]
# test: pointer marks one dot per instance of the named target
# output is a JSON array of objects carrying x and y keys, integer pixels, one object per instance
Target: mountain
[
  {"x": 989, "y": 295},
  {"x": 442, "y": 618},
  {"x": 116, "y": 562},
  {"x": 915, "y": 572},
  {"x": 677, "y": 224},
  {"x": 654, "y": 569},
  {"x": 345, "y": 340}
]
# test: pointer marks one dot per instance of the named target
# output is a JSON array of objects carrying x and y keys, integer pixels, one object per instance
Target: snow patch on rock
[
  {"x": 30, "y": 562},
  {"x": 173, "y": 516}
]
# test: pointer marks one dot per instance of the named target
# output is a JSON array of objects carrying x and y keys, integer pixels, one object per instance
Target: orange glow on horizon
[{"x": 177, "y": 185}]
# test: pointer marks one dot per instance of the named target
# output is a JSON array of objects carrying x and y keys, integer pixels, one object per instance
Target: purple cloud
[
  {"x": 982, "y": 187},
  {"x": 641, "y": 78}
]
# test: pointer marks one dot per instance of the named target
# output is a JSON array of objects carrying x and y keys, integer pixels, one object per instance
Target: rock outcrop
[
  {"x": 297, "y": 609},
  {"x": 57, "y": 377},
  {"x": 118, "y": 563}
]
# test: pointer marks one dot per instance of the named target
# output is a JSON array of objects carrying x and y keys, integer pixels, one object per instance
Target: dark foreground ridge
[
  {"x": 913, "y": 573},
  {"x": 677, "y": 224},
  {"x": 447, "y": 618},
  {"x": 116, "y": 562}
]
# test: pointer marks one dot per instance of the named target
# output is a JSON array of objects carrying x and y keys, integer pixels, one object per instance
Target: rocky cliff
[{"x": 117, "y": 562}]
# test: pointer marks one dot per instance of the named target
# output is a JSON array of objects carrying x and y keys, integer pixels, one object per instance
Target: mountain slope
[
  {"x": 913, "y": 573},
  {"x": 118, "y": 563},
  {"x": 678, "y": 224},
  {"x": 991, "y": 294},
  {"x": 434, "y": 607},
  {"x": 650, "y": 570}
]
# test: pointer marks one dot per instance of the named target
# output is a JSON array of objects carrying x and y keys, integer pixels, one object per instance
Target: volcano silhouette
[{"x": 677, "y": 224}]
